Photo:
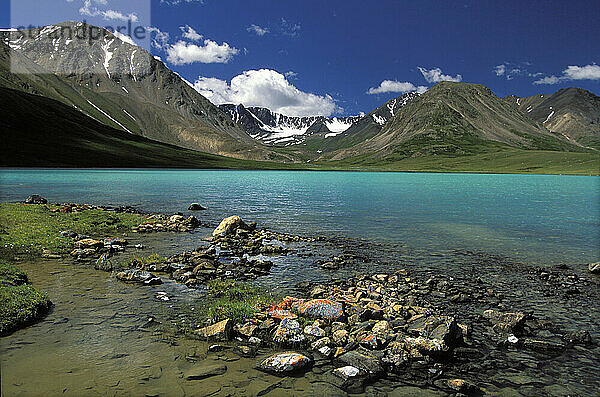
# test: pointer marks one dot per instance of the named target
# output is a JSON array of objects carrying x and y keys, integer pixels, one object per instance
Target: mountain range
[{"x": 110, "y": 90}]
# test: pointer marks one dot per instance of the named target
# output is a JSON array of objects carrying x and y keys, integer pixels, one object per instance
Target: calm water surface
[{"x": 536, "y": 218}]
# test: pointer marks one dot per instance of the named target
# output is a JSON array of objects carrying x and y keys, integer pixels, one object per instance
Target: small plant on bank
[{"x": 21, "y": 303}]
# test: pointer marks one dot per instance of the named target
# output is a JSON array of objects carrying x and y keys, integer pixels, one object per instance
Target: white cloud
[
  {"x": 587, "y": 72},
  {"x": 290, "y": 74},
  {"x": 88, "y": 10},
  {"x": 260, "y": 31},
  {"x": 435, "y": 75},
  {"x": 190, "y": 33},
  {"x": 547, "y": 80},
  {"x": 161, "y": 39},
  {"x": 182, "y": 53},
  {"x": 500, "y": 70},
  {"x": 266, "y": 88},
  {"x": 396, "y": 86}
]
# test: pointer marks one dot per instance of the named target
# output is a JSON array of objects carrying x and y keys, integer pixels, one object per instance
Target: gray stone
[{"x": 285, "y": 363}]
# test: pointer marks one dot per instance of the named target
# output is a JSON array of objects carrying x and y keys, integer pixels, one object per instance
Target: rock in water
[
  {"x": 504, "y": 323},
  {"x": 35, "y": 199},
  {"x": 229, "y": 226},
  {"x": 594, "y": 268},
  {"x": 139, "y": 276},
  {"x": 285, "y": 363},
  {"x": 322, "y": 308},
  {"x": 196, "y": 207},
  {"x": 103, "y": 263},
  {"x": 368, "y": 363},
  {"x": 219, "y": 331},
  {"x": 206, "y": 372}
]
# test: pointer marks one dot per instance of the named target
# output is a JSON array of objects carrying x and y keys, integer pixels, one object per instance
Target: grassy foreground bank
[
  {"x": 28, "y": 229},
  {"x": 21, "y": 303}
]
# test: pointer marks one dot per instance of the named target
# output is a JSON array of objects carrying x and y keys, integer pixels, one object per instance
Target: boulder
[
  {"x": 139, "y": 276},
  {"x": 313, "y": 331},
  {"x": 340, "y": 337},
  {"x": 285, "y": 363},
  {"x": 505, "y": 323},
  {"x": 196, "y": 207},
  {"x": 192, "y": 221},
  {"x": 35, "y": 199},
  {"x": 594, "y": 268},
  {"x": 322, "y": 308},
  {"x": 288, "y": 332},
  {"x": 349, "y": 378},
  {"x": 219, "y": 331},
  {"x": 366, "y": 362},
  {"x": 206, "y": 371},
  {"x": 229, "y": 226},
  {"x": 176, "y": 218},
  {"x": 89, "y": 243}
]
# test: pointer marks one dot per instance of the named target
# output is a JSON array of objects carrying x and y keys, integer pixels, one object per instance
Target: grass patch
[
  {"x": 235, "y": 300},
  {"x": 21, "y": 303},
  {"x": 28, "y": 229},
  {"x": 139, "y": 261}
]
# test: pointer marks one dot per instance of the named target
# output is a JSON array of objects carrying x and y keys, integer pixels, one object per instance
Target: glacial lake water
[{"x": 538, "y": 219}]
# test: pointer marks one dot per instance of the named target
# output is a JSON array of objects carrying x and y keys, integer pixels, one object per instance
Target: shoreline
[{"x": 464, "y": 172}]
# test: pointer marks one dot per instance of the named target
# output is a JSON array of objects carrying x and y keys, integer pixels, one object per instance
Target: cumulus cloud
[
  {"x": 396, "y": 86},
  {"x": 260, "y": 31},
  {"x": 91, "y": 11},
  {"x": 182, "y": 53},
  {"x": 190, "y": 33},
  {"x": 266, "y": 88},
  {"x": 500, "y": 70},
  {"x": 435, "y": 75},
  {"x": 587, "y": 72},
  {"x": 510, "y": 70}
]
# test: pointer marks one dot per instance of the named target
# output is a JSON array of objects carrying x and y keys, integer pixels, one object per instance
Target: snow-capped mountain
[{"x": 277, "y": 129}]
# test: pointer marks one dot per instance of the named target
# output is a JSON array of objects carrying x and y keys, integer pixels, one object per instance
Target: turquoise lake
[{"x": 539, "y": 219}]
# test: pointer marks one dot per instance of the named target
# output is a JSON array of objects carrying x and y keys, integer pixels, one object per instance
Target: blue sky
[{"x": 346, "y": 57}]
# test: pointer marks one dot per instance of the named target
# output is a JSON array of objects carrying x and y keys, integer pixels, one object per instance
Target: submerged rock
[
  {"x": 196, "y": 207},
  {"x": 504, "y": 323},
  {"x": 103, "y": 263},
  {"x": 206, "y": 371},
  {"x": 285, "y": 363}
]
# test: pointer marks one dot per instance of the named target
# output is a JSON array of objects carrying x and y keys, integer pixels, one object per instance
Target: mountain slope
[
  {"x": 572, "y": 112},
  {"x": 123, "y": 86},
  {"x": 457, "y": 119},
  {"x": 41, "y": 132}
]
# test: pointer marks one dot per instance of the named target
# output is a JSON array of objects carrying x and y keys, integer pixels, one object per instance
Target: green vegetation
[
  {"x": 29, "y": 228},
  {"x": 139, "y": 261},
  {"x": 503, "y": 161},
  {"x": 21, "y": 303},
  {"x": 235, "y": 300}
]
